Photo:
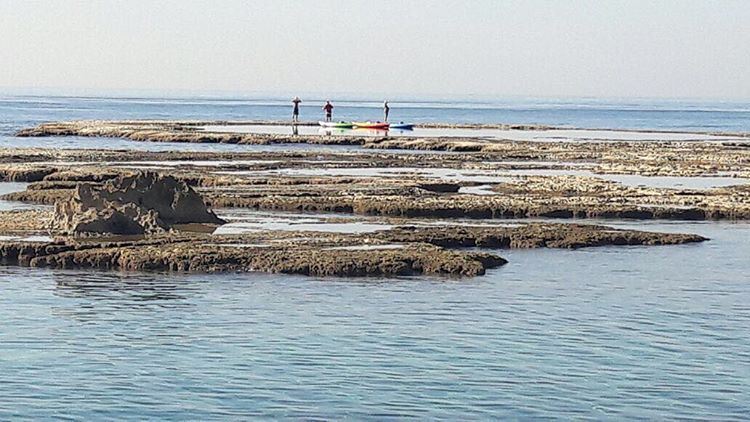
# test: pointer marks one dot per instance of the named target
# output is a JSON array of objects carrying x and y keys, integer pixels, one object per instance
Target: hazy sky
[{"x": 650, "y": 48}]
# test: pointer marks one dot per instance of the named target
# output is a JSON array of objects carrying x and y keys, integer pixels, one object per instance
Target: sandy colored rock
[
  {"x": 267, "y": 180},
  {"x": 401, "y": 250},
  {"x": 25, "y": 222},
  {"x": 568, "y": 236},
  {"x": 142, "y": 203},
  {"x": 24, "y": 173},
  {"x": 202, "y": 254}
]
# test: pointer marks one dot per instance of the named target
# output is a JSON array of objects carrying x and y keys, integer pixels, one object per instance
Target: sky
[{"x": 483, "y": 48}]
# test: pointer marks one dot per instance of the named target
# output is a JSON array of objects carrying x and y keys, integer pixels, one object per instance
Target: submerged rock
[{"x": 142, "y": 203}]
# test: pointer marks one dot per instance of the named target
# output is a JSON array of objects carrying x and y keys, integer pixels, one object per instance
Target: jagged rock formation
[
  {"x": 97, "y": 193},
  {"x": 202, "y": 253},
  {"x": 142, "y": 203},
  {"x": 255, "y": 186},
  {"x": 399, "y": 250}
]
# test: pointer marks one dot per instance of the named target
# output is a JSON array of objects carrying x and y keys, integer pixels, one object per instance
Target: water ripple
[{"x": 648, "y": 333}]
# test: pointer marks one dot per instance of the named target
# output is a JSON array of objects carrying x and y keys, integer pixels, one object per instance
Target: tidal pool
[
  {"x": 486, "y": 176},
  {"x": 10, "y": 187}
]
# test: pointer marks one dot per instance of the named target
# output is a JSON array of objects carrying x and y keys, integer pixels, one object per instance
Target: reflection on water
[
  {"x": 10, "y": 187},
  {"x": 574, "y": 112},
  {"x": 130, "y": 286},
  {"x": 358, "y": 131},
  {"x": 477, "y": 190},
  {"x": 485, "y": 176},
  {"x": 305, "y": 225},
  {"x": 77, "y": 142},
  {"x": 243, "y": 220},
  {"x": 512, "y": 134},
  {"x": 602, "y": 333}
]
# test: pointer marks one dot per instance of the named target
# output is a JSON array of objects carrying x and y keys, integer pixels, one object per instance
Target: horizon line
[{"x": 150, "y": 93}]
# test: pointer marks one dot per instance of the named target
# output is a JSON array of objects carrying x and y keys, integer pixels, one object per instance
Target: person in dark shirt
[
  {"x": 295, "y": 109},
  {"x": 328, "y": 108},
  {"x": 386, "y": 110}
]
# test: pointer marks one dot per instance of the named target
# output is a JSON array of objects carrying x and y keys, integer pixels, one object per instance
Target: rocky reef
[
  {"x": 537, "y": 235},
  {"x": 657, "y": 155},
  {"x": 436, "y": 186},
  {"x": 396, "y": 251},
  {"x": 203, "y": 254},
  {"x": 110, "y": 214},
  {"x": 141, "y": 203}
]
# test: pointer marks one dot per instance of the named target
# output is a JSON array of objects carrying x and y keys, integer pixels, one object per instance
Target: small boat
[
  {"x": 372, "y": 125},
  {"x": 402, "y": 126},
  {"x": 336, "y": 124}
]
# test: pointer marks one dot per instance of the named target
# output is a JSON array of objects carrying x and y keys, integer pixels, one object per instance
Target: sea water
[
  {"x": 733, "y": 116},
  {"x": 17, "y": 112},
  {"x": 636, "y": 332},
  {"x": 597, "y": 333}
]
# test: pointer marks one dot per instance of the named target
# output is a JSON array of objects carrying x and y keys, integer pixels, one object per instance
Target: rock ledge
[{"x": 142, "y": 203}]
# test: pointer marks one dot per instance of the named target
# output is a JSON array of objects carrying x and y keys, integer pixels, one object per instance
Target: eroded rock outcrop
[
  {"x": 535, "y": 235},
  {"x": 137, "y": 204},
  {"x": 397, "y": 250}
]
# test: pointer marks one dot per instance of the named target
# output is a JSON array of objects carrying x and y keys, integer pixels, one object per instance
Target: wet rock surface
[
  {"x": 397, "y": 251},
  {"x": 413, "y": 186},
  {"x": 568, "y": 236},
  {"x": 192, "y": 132},
  {"x": 96, "y": 193},
  {"x": 205, "y": 256},
  {"x": 141, "y": 203}
]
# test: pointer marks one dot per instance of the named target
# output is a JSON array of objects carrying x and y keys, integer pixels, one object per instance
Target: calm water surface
[
  {"x": 607, "y": 333},
  {"x": 17, "y": 112},
  {"x": 548, "y": 135},
  {"x": 576, "y": 112},
  {"x": 601, "y": 333}
]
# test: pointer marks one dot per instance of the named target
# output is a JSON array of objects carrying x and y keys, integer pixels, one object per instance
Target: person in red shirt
[{"x": 328, "y": 108}]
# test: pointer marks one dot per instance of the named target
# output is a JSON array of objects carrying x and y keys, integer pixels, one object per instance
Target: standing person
[
  {"x": 386, "y": 109},
  {"x": 328, "y": 108},
  {"x": 295, "y": 109}
]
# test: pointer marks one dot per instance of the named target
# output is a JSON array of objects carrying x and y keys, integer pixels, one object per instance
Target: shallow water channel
[
  {"x": 509, "y": 134},
  {"x": 485, "y": 176}
]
